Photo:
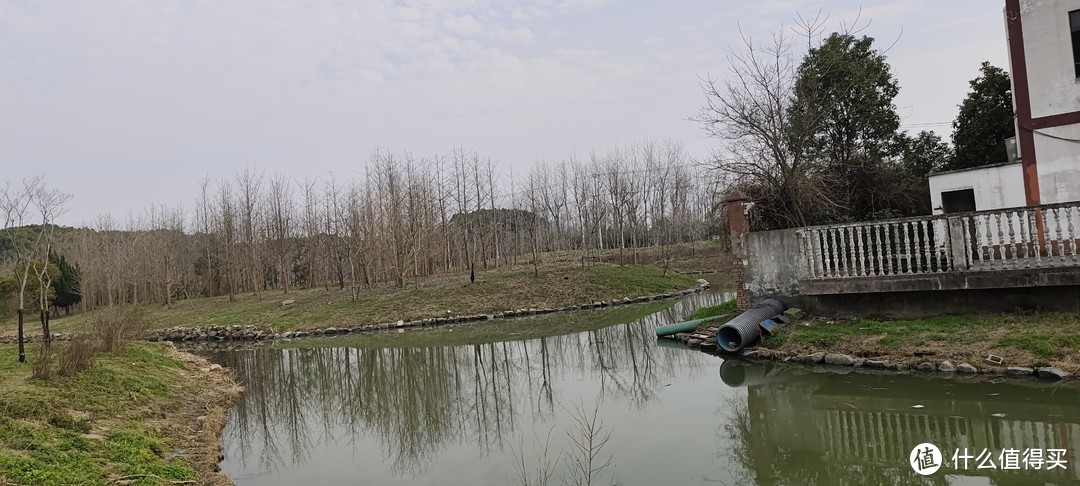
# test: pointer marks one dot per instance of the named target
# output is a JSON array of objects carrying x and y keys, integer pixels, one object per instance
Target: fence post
[
  {"x": 736, "y": 203},
  {"x": 959, "y": 253}
]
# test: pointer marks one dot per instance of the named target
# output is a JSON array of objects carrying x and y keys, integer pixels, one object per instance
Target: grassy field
[
  {"x": 130, "y": 419},
  {"x": 1040, "y": 339},
  {"x": 702, "y": 256},
  {"x": 493, "y": 291}
]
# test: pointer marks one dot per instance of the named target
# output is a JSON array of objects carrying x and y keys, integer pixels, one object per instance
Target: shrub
[
  {"x": 116, "y": 327},
  {"x": 77, "y": 356},
  {"x": 43, "y": 364}
]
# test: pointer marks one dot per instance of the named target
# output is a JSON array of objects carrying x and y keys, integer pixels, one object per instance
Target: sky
[{"x": 126, "y": 103}]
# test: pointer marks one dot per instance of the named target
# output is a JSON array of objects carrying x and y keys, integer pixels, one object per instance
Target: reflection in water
[
  {"x": 416, "y": 402},
  {"x": 453, "y": 414},
  {"x": 801, "y": 427}
]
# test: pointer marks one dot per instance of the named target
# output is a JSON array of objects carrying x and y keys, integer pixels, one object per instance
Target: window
[
  {"x": 1074, "y": 25},
  {"x": 960, "y": 201}
]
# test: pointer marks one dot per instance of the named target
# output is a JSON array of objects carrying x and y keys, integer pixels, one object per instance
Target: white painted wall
[
  {"x": 1058, "y": 164},
  {"x": 1048, "y": 49},
  {"x": 995, "y": 187}
]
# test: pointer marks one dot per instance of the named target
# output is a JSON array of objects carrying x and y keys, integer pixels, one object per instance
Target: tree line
[
  {"x": 810, "y": 131},
  {"x": 401, "y": 219}
]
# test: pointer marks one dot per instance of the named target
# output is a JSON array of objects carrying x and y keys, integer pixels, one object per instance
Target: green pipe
[{"x": 687, "y": 326}]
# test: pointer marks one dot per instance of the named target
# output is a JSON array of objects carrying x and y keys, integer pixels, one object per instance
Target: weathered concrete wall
[
  {"x": 914, "y": 305},
  {"x": 1048, "y": 49},
  {"x": 1059, "y": 164},
  {"x": 993, "y": 279},
  {"x": 771, "y": 264}
]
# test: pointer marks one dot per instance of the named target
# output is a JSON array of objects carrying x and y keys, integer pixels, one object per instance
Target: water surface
[{"x": 339, "y": 411}]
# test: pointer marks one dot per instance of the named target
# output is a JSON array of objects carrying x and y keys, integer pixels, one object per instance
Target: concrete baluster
[
  {"x": 1060, "y": 244},
  {"x": 832, "y": 253},
  {"x": 880, "y": 270},
  {"x": 1022, "y": 221},
  {"x": 1069, "y": 215},
  {"x": 906, "y": 256},
  {"x": 890, "y": 255},
  {"x": 917, "y": 241},
  {"x": 860, "y": 250}
]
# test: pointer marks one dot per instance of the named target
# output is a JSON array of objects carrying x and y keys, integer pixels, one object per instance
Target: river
[{"x": 344, "y": 411}]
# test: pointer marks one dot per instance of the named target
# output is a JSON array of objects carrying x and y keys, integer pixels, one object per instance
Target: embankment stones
[
  {"x": 810, "y": 358},
  {"x": 966, "y": 369},
  {"x": 946, "y": 367},
  {"x": 1053, "y": 373},
  {"x": 1019, "y": 372},
  {"x": 876, "y": 364},
  {"x": 839, "y": 360},
  {"x": 926, "y": 366}
]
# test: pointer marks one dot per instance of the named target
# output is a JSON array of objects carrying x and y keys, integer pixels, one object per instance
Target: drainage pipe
[
  {"x": 678, "y": 327},
  {"x": 745, "y": 328}
]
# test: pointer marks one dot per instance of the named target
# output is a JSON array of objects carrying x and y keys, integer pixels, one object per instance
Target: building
[{"x": 1044, "y": 56}]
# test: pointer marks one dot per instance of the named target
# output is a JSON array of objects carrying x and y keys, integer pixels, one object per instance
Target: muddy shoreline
[{"x": 200, "y": 424}]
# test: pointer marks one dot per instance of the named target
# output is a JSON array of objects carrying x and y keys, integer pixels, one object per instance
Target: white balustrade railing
[{"x": 1030, "y": 237}]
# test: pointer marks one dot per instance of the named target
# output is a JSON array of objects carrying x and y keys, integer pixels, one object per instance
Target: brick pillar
[{"x": 739, "y": 226}]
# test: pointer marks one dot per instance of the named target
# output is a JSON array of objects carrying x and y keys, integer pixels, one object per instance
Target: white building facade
[{"x": 1044, "y": 57}]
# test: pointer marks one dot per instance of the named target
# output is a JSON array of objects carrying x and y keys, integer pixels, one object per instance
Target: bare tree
[
  {"x": 280, "y": 222},
  {"x": 226, "y": 221},
  {"x": 31, "y": 246},
  {"x": 752, "y": 111},
  {"x": 249, "y": 184}
]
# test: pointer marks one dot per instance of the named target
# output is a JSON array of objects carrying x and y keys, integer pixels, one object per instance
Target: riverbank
[
  {"x": 494, "y": 291},
  {"x": 1019, "y": 345},
  {"x": 148, "y": 414}
]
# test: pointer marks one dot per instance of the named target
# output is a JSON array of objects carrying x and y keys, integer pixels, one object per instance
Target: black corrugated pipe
[{"x": 744, "y": 329}]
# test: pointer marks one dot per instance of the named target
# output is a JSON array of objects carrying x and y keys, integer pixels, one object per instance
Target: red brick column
[{"x": 739, "y": 226}]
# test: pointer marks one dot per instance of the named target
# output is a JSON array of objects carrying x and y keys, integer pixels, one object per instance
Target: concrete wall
[
  {"x": 915, "y": 305},
  {"x": 1048, "y": 49},
  {"x": 771, "y": 264},
  {"x": 996, "y": 187},
  {"x": 771, "y": 267},
  {"x": 1058, "y": 164}
]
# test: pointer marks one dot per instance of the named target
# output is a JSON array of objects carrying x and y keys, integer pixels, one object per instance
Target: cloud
[
  {"x": 172, "y": 90},
  {"x": 465, "y": 25}
]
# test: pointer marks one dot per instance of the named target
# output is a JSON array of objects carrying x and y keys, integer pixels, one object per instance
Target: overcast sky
[{"x": 125, "y": 103}]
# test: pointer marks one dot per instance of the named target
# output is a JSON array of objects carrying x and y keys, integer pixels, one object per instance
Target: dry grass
[
  {"x": 43, "y": 364},
  {"x": 76, "y": 356}
]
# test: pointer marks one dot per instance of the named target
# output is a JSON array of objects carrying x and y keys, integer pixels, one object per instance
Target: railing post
[{"x": 958, "y": 249}]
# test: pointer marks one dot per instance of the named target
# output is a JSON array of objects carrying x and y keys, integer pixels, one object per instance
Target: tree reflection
[{"x": 416, "y": 401}]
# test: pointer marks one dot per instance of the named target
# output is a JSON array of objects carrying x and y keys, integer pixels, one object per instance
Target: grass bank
[
  {"x": 145, "y": 415},
  {"x": 493, "y": 291},
  {"x": 1023, "y": 339}
]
